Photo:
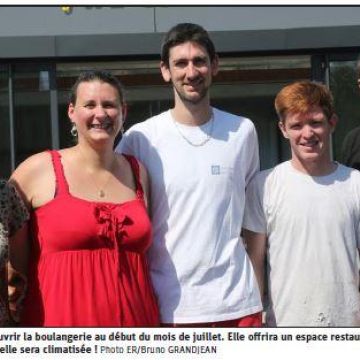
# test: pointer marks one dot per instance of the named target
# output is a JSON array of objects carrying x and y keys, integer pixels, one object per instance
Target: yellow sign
[{"x": 66, "y": 9}]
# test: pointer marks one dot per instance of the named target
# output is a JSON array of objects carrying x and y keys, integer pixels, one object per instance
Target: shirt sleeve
[
  {"x": 253, "y": 156},
  {"x": 254, "y": 215},
  {"x": 134, "y": 142},
  {"x": 126, "y": 144}
]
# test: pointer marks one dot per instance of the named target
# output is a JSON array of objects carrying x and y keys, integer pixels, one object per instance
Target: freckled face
[
  {"x": 97, "y": 111},
  {"x": 309, "y": 135},
  {"x": 190, "y": 71}
]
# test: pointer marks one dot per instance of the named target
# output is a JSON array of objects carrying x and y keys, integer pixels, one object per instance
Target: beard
[{"x": 188, "y": 98}]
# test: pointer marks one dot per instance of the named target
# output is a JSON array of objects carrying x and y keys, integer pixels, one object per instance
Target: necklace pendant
[{"x": 101, "y": 193}]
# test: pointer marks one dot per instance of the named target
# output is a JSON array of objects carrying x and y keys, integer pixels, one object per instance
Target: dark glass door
[
  {"x": 5, "y": 135},
  {"x": 32, "y": 115}
]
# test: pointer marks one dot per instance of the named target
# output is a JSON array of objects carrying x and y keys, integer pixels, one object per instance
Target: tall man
[
  {"x": 199, "y": 160},
  {"x": 304, "y": 214}
]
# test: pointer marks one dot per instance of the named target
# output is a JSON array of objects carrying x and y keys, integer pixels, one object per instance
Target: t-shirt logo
[{"x": 215, "y": 169}]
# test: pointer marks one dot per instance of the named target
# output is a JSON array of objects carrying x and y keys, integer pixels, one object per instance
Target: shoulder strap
[
  {"x": 136, "y": 171},
  {"x": 62, "y": 186}
]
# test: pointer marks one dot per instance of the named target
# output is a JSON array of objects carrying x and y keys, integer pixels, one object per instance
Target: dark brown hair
[
  {"x": 100, "y": 75},
  {"x": 185, "y": 32}
]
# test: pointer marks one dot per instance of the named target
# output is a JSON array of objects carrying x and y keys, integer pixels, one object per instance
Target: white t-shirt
[
  {"x": 312, "y": 225},
  {"x": 198, "y": 264}
]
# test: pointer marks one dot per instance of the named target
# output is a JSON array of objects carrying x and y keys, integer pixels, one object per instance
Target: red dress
[{"x": 88, "y": 265}]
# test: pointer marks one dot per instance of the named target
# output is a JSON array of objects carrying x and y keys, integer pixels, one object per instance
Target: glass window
[
  {"x": 248, "y": 86},
  {"x": 343, "y": 84},
  {"x": 244, "y": 86},
  {"x": 5, "y": 157},
  {"x": 145, "y": 92},
  {"x": 32, "y": 119}
]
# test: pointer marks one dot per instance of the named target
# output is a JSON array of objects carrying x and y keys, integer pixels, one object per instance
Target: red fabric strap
[
  {"x": 62, "y": 186},
  {"x": 136, "y": 171}
]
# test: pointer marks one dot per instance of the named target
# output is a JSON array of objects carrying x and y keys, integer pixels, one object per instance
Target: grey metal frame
[
  {"x": 11, "y": 119},
  {"x": 54, "y": 113}
]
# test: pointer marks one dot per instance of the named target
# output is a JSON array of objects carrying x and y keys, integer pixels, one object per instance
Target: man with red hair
[{"x": 304, "y": 217}]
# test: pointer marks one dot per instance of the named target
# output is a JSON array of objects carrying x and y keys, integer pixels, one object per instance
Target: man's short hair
[
  {"x": 185, "y": 32},
  {"x": 301, "y": 96}
]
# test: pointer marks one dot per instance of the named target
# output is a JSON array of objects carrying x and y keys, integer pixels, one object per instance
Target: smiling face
[
  {"x": 309, "y": 137},
  {"x": 190, "y": 71},
  {"x": 96, "y": 112}
]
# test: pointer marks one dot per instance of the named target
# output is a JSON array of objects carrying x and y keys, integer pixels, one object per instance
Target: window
[
  {"x": 343, "y": 84},
  {"x": 32, "y": 117},
  {"x": 244, "y": 86},
  {"x": 5, "y": 136}
]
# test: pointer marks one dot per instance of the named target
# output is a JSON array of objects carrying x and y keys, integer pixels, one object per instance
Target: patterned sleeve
[{"x": 13, "y": 209}]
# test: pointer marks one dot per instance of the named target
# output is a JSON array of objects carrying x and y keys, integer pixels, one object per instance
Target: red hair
[{"x": 301, "y": 96}]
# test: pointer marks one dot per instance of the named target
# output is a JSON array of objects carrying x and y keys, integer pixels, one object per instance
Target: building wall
[
  {"x": 43, "y": 49},
  {"x": 136, "y": 30},
  {"x": 89, "y": 20}
]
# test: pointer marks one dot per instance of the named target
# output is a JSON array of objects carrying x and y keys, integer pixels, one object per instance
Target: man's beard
[{"x": 189, "y": 99}]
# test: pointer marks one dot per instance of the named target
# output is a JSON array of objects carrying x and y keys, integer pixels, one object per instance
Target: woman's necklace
[
  {"x": 101, "y": 189},
  {"x": 210, "y": 124}
]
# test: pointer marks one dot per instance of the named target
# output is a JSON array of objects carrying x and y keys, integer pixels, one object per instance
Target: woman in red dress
[{"x": 89, "y": 222}]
